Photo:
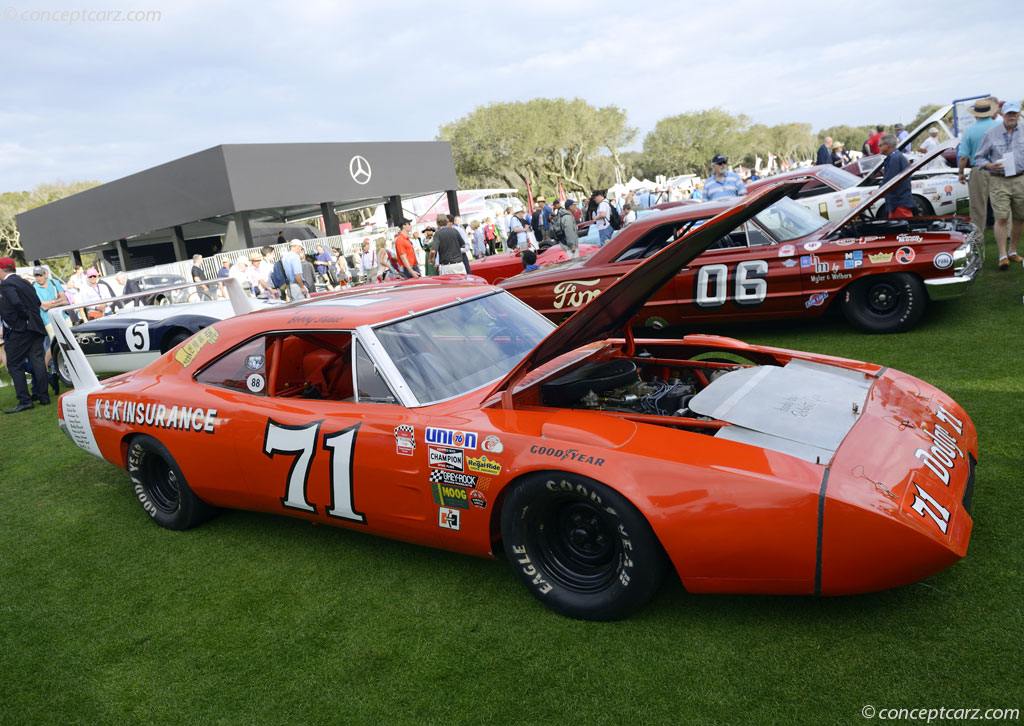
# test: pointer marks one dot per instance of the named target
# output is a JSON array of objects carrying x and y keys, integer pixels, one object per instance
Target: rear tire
[
  {"x": 161, "y": 487},
  {"x": 922, "y": 207},
  {"x": 891, "y": 303},
  {"x": 580, "y": 547},
  {"x": 60, "y": 364}
]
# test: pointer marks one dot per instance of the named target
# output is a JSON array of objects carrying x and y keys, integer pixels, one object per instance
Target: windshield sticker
[
  {"x": 255, "y": 382},
  {"x": 905, "y": 255},
  {"x": 568, "y": 295},
  {"x": 156, "y": 415},
  {"x": 880, "y": 258},
  {"x": 405, "y": 440},
  {"x": 254, "y": 362},
  {"x": 443, "y": 457},
  {"x": 451, "y": 437},
  {"x": 816, "y": 300},
  {"x": 188, "y": 350},
  {"x": 943, "y": 260},
  {"x": 483, "y": 465}
]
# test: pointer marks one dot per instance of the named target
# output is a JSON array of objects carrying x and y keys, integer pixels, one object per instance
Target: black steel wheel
[
  {"x": 161, "y": 487},
  {"x": 885, "y": 303},
  {"x": 580, "y": 547}
]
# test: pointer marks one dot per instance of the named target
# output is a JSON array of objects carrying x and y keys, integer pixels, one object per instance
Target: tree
[
  {"x": 14, "y": 203},
  {"x": 852, "y": 136},
  {"x": 544, "y": 141},
  {"x": 686, "y": 143}
]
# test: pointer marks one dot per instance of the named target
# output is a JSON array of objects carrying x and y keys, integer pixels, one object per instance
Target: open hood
[
  {"x": 880, "y": 191},
  {"x": 612, "y": 310},
  {"x": 868, "y": 164}
]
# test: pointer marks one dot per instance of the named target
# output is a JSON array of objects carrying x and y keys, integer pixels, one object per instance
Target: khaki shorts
[{"x": 1006, "y": 195}]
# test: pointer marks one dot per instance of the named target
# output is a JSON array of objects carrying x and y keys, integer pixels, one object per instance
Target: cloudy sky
[{"x": 94, "y": 98}]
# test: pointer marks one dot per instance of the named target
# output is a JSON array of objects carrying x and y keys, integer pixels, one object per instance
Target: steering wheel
[{"x": 502, "y": 330}]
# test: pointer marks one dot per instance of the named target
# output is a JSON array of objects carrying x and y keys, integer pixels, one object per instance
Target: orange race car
[{"x": 453, "y": 415}]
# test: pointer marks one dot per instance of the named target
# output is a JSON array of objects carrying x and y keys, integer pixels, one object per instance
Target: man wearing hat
[
  {"x": 517, "y": 238},
  {"x": 292, "y": 263},
  {"x": 564, "y": 229},
  {"x": 722, "y": 184},
  {"x": 24, "y": 334},
  {"x": 901, "y": 134},
  {"x": 985, "y": 111},
  {"x": 1001, "y": 153},
  {"x": 932, "y": 141},
  {"x": 839, "y": 155}
]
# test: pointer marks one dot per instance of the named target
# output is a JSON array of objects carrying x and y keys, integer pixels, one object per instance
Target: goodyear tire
[
  {"x": 161, "y": 487},
  {"x": 885, "y": 303},
  {"x": 580, "y": 547}
]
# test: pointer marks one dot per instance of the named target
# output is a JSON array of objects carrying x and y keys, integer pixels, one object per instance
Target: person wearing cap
[
  {"x": 1001, "y": 154},
  {"x": 932, "y": 141},
  {"x": 602, "y": 216},
  {"x": 563, "y": 226},
  {"x": 722, "y": 183},
  {"x": 51, "y": 294},
  {"x": 408, "y": 265},
  {"x": 94, "y": 290},
  {"x": 985, "y": 110},
  {"x": 825, "y": 152},
  {"x": 901, "y": 134},
  {"x": 839, "y": 155},
  {"x": 292, "y": 263},
  {"x": 517, "y": 237},
  {"x": 24, "y": 335}
]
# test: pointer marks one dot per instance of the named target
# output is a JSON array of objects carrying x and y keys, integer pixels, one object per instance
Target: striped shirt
[{"x": 731, "y": 186}]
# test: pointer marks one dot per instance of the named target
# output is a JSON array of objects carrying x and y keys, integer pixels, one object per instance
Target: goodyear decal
[
  {"x": 483, "y": 465},
  {"x": 182, "y": 418},
  {"x": 191, "y": 347},
  {"x": 451, "y": 437},
  {"x": 570, "y": 454},
  {"x": 450, "y": 496}
]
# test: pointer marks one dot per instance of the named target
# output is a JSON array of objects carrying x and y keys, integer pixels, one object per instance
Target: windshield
[
  {"x": 838, "y": 178},
  {"x": 787, "y": 220},
  {"x": 447, "y": 352}
]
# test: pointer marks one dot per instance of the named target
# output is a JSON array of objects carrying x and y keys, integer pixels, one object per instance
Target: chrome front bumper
[{"x": 965, "y": 270}]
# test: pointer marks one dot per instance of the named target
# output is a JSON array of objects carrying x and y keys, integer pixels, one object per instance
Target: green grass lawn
[{"x": 107, "y": 618}]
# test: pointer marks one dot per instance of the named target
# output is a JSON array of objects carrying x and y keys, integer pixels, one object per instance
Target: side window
[
  {"x": 310, "y": 365},
  {"x": 370, "y": 385},
  {"x": 756, "y": 236},
  {"x": 652, "y": 242},
  {"x": 242, "y": 369}
]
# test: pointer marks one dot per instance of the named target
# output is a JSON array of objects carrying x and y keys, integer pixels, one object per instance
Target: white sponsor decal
[
  {"x": 566, "y": 294},
  {"x": 156, "y": 415},
  {"x": 812, "y": 246},
  {"x": 451, "y": 437},
  {"x": 255, "y": 382},
  {"x": 492, "y": 444},
  {"x": 448, "y": 518},
  {"x": 943, "y": 260}
]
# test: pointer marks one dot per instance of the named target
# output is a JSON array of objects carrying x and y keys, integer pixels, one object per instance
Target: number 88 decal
[{"x": 712, "y": 284}]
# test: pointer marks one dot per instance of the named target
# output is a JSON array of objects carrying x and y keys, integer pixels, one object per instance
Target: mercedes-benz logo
[{"x": 359, "y": 168}]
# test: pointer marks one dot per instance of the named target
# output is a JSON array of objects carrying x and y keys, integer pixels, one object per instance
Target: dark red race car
[
  {"x": 496, "y": 268},
  {"x": 786, "y": 262}
]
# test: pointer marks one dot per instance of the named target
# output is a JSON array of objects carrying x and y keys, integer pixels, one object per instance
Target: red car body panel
[{"x": 496, "y": 268}]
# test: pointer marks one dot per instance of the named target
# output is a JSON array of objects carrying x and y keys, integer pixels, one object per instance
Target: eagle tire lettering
[
  {"x": 160, "y": 486},
  {"x": 579, "y": 546}
]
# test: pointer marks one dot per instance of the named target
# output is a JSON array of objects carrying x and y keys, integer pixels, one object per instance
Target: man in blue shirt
[
  {"x": 292, "y": 263},
  {"x": 899, "y": 202},
  {"x": 985, "y": 111},
  {"x": 1001, "y": 154},
  {"x": 722, "y": 184}
]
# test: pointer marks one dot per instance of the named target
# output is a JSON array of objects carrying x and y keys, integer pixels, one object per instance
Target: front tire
[
  {"x": 580, "y": 547},
  {"x": 885, "y": 303},
  {"x": 161, "y": 487}
]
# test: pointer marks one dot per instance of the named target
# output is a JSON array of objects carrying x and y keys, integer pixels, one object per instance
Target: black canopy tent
[{"x": 221, "y": 190}]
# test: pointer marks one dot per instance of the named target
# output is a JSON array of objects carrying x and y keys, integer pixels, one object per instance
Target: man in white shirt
[
  {"x": 601, "y": 218},
  {"x": 368, "y": 262},
  {"x": 931, "y": 142}
]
